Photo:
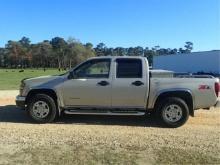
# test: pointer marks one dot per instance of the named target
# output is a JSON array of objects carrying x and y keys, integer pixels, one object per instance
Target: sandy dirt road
[{"x": 105, "y": 140}]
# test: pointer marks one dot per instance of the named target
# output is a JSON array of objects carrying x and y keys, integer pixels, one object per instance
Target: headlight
[{"x": 22, "y": 86}]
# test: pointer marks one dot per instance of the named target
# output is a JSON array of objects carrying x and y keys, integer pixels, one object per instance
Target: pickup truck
[{"x": 116, "y": 86}]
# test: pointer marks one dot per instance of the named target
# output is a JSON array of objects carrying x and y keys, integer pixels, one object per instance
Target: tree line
[{"x": 60, "y": 53}]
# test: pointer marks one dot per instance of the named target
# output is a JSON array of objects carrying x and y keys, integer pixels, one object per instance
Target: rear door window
[{"x": 129, "y": 68}]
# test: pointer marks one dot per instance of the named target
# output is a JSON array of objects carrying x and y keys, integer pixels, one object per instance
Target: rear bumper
[{"x": 20, "y": 101}]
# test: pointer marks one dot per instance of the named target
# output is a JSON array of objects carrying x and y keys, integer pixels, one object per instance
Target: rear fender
[{"x": 184, "y": 94}]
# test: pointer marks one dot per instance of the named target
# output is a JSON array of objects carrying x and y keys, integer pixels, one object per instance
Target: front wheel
[
  {"x": 173, "y": 112},
  {"x": 42, "y": 108}
]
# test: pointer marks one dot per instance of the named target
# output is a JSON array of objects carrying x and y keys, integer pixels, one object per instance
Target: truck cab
[{"x": 108, "y": 83}]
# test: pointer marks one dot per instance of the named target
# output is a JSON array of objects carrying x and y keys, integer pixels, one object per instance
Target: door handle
[
  {"x": 137, "y": 83},
  {"x": 103, "y": 83}
]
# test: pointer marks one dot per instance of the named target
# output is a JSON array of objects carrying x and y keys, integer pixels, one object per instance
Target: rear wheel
[
  {"x": 42, "y": 108},
  {"x": 173, "y": 112}
]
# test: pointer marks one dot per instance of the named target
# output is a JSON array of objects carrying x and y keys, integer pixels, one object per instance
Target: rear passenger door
[{"x": 129, "y": 85}]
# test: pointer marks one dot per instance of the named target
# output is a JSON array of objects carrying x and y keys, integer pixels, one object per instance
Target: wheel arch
[
  {"x": 49, "y": 92},
  {"x": 183, "y": 94}
]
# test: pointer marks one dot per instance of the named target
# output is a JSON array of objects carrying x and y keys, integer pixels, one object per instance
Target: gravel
[{"x": 106, "y": 139}]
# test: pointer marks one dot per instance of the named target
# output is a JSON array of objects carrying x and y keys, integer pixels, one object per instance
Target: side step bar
[{"x": 102, "y": 112}]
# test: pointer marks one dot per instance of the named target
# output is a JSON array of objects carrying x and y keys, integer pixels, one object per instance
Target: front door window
[{"x": 93, "y": 69}]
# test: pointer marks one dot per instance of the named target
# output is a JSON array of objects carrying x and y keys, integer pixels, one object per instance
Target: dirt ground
[{"x": 106, "y": 139}]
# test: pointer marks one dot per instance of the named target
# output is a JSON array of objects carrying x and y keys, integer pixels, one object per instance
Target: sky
[{"x": 126, "y": 23}]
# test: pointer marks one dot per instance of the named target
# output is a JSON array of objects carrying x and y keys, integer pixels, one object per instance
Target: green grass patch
[
  {"x": 68, "y": 155},
  {"x": 10, "y": 78},
  {"x": 168, "y": 155},
  {"x": 80, "y": 154}
]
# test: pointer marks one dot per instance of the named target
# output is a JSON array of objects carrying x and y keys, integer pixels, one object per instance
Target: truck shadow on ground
[{"x": 12, "y": 114}]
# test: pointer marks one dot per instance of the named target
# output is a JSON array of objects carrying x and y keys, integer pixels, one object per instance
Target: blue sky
[{"x": 168, "y": 23}]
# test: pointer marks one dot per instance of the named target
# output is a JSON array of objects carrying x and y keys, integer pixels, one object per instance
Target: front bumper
[{"x": 20, "y": 101}]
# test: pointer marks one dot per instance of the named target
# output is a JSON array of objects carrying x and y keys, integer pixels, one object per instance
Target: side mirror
[
  {"x": 72, "y": 75},
  {"x": 69, "y": 75}
]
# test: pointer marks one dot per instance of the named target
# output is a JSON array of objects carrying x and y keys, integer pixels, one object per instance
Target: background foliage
[{"x": 60, "y": 53}]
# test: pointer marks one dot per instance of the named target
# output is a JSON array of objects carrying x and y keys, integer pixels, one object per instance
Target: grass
[
  {"x": 168, "y": 155},
  {"x": 71, "y": 155},
  {"x": 10, "y": 78},
  {"x": 67, "y": 154}
]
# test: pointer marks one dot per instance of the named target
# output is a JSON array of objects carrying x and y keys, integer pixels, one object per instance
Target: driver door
[{"x": 90, "y": 85}]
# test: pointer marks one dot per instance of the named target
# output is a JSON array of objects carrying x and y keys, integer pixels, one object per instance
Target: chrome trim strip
[
  {"x": 104, "y": 113},
  {"x": 101, "y": 107}
]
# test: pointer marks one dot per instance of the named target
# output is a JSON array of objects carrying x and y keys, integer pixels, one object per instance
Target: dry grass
[{"x": 108, "y": 140}]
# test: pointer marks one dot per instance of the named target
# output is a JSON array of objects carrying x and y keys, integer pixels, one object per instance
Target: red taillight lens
[{"x": 217, "y": 87}]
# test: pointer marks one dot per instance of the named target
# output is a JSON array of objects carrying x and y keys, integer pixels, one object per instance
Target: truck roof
[{"x": 114, "y": 57}]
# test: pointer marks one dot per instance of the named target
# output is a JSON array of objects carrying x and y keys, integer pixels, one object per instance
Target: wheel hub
[
  {"x": 173, "y": 113},
  {"x": 41, "y": 109}
]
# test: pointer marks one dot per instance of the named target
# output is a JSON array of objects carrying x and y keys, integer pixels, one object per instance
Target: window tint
[
  {"x": 129, "y": 68},
  {"x": 94, "y": 69}
]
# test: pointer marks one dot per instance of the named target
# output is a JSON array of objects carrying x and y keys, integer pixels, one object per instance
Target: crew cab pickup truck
[{"x": 116, "y": 86}]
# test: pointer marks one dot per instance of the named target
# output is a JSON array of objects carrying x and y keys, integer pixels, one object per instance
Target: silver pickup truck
[{"x": 116, "y": 86}]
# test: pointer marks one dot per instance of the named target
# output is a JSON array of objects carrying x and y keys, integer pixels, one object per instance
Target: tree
[
  {"x": 138, "y": 51},
  {"x": 77, "y": 52},
  {"x": 110, "y": 51},
  {"x": 14, "y": 50},
  {"x": 2, "y": 57},
  {"x": 181, "y": 50},
  {"x": 101, "y": 49},
  {"x": 59, "y": 46},
  {"x": 25, "y": 42},
  {"x": 62, "y": 53},
  {"x": 71, "y": 52},
  {"x": 149, "y": 55},
  {"x": 89, "y": 45},
  {"x": 156, "y": 49},
  {"x": 119, "y": 51},
  {"x": 42, "y": 54},
  {"x": 174, "y": 51},
  {"x": 131, "y": 51},
  {"x": 188, "y": 46},
  {"x": 25, "y": 54},
  {"x": 81, "y": 53},
  {"x": 164, "y": 51}
]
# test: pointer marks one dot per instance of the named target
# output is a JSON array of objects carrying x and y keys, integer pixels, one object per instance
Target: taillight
[{"x": 217, "y": 88}]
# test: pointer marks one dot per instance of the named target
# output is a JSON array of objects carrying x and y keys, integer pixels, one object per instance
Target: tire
[
  {"x": 173, "y": 112},
  {"x": 42, "y": 108}
]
